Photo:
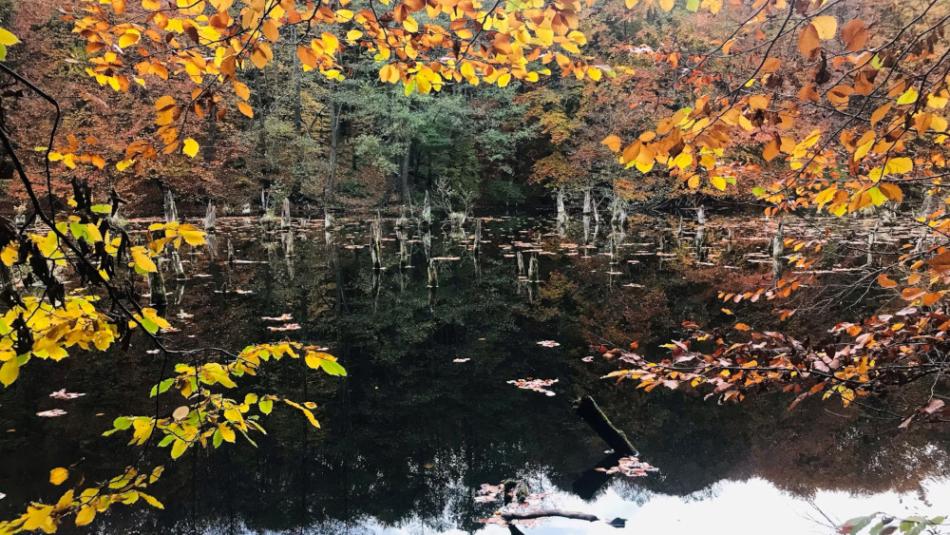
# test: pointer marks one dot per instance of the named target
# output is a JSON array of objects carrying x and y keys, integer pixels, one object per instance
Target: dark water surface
[{"x": 408, "y": 438}]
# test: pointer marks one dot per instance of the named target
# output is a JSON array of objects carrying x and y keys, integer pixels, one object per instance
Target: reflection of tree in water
[{"x": 411, "y": 435}]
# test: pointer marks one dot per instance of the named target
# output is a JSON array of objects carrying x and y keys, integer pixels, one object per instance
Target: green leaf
[
  {"x": 161, "y": 387},
  {"x": 78, "y": 230},
  {"x": 265, "y": 405},
  {"x": 102, "y": 209},
  {"x": 333, "y": 368},
  {"x": 148, "y": 324},
  {"x": 855, "y": 525},
  {"x": 122, "y": 423}
]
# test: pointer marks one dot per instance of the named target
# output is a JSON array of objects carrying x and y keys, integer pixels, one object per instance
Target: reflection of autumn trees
[{"x": 411, "y": 433}]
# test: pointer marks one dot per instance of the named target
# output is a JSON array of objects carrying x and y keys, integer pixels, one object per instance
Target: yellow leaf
[
  {"x": 899, "y": 166},
  {"x": 330, "y": 42},
  {"x": 129, "y": 38},
  {"x": 718, "y": 182},
  {"x": 683, "y": 160},
  {"x": 151, "y": 500},
  {"x": 504, "y": 79},
  {"x": 908, "y": 97},
  {"x": 410, "y": 24},
  {"x": 7, "y": 38},
  {"x": 667, "y": 5},
  {"x": 9, "y": 372},
  {"x": 86, "y": 515},
  {"x": 178, "y": 448},
  {"x": 226, "y": 433},
  {"x": 142, "y": 261},
  {"x": 191, "y": 148},
  {"x": 193, "y": 235},
  {"x": 58, "y": 475},
  {"x": 826, "y": 25},
  {"x": 389, "y": 74},
  {"x": 877, "y": 197},
  {"x": 124, "y": 164}
]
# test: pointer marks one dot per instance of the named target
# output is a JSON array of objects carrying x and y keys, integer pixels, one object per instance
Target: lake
[{"x": 427, "y": 416}]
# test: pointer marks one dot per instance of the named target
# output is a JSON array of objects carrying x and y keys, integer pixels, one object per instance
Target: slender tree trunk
[
  {"x": 210, "y": 145},
  {"x": 330, "y": 187},
  {"x": 298, "y": 113},
  {"x": 404, "y": 174}
]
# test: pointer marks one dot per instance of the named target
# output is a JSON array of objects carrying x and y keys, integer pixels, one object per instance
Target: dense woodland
[
  {"x": 358, "y": 142},
  {"x": 768, "y": 174}
]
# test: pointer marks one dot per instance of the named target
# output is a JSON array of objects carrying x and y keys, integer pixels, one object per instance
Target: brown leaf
[
  {"x": 808, "y": 42},
  {"x": 855, "y": 35}
]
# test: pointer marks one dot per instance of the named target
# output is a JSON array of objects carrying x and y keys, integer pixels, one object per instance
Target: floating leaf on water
[
  {"x": 287, "y": 316},
  {"x": 63, "y": 394},
  {"x": 548, "y": 343},
  {"x": 630, "y": 467},
  {"x": 52, "y": 413},
  {"x": 285, "y": 327},
  {"x": 535, "y": 385},
  {"x": 461, "y": 360}
]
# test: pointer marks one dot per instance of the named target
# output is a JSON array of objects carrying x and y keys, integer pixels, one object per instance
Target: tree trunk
[
  {"x": 298, "y": 113},
  {"x": 210, "y": 153},
  {"x": 330, "y": 187},
  {"x": 404, "y": 174}
]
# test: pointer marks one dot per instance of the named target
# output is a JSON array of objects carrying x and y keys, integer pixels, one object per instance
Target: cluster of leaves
[
  {"x": 881, "y": 524},
  {"x": 876, "y": 152},
  {"x": 84, "y": 504},
  {"x": 87, "y": 240},
  {"x": 209, "y": 42},
  {"x": 868, "y": 359},
  {"x": 209, "y": 414}
]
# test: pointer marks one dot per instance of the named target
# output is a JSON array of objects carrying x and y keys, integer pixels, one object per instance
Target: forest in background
[{"x": 361, "y": 143}]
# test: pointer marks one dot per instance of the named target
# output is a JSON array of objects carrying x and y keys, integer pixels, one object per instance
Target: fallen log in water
[
  {"x": 547, "y": 513},
  {"x": 598, "y": 421}
]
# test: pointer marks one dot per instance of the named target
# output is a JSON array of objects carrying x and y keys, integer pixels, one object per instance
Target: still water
[{"x": 427, "y": 416}]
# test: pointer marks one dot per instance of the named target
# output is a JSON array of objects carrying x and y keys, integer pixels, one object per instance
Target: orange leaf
[
  {"x": 855, "y": 35},
  {"x": 808, "y": 42},
  {"x": 612, "y": 142},
  {"x": 885, "y": 281}
]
